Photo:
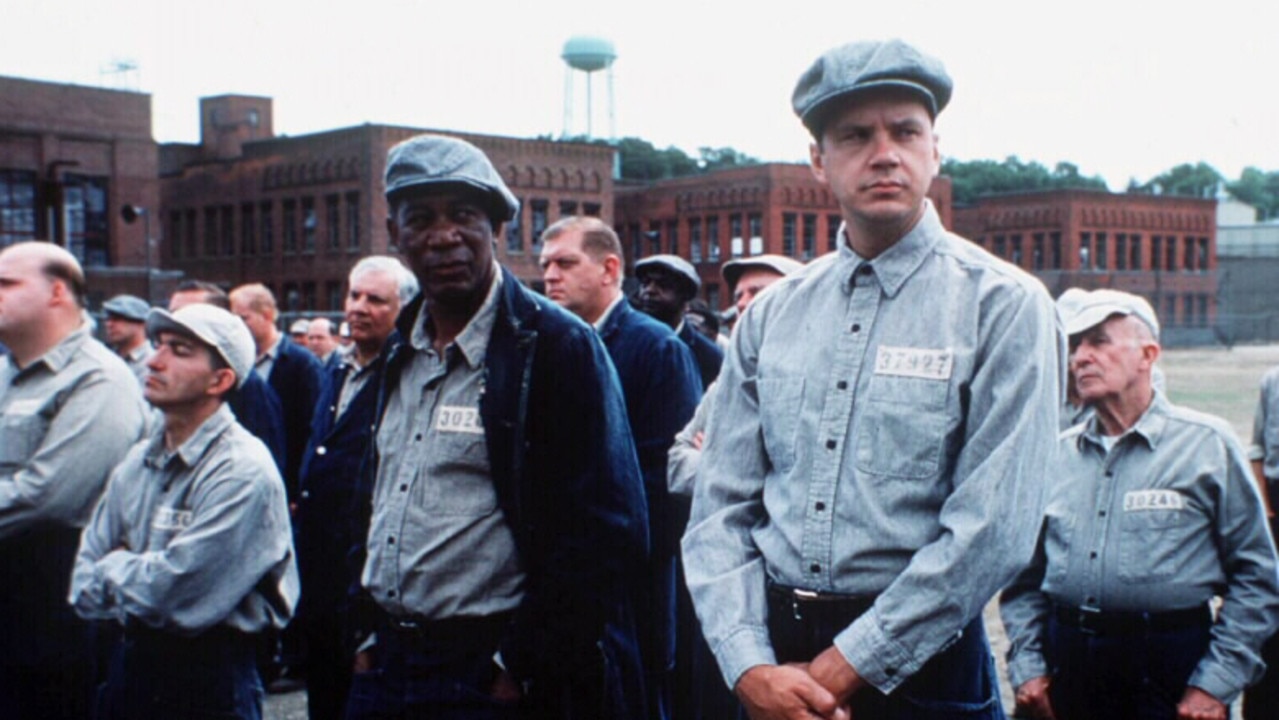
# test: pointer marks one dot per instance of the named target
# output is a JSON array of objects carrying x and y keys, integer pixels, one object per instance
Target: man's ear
[
  {"x": 612, "y": 268},
  {"x": 222, "y": 382},
  {"x": 815, "y": 161}
]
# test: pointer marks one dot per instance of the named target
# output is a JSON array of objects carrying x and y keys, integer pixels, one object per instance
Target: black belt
[
  {"x": 802, "y": 604},
  {"x": 464, "y": 631},
  {"x": 1124, "y": 622}
]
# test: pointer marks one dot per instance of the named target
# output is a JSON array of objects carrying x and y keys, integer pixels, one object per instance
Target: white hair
[{"x": 406, "y": 286}]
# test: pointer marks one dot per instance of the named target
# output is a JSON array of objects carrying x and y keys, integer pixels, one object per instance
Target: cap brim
[
  {"x": 1091, "y": 317},
  {"x": 816, "y": 116}
]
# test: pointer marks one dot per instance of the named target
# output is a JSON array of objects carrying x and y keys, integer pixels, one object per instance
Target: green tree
[
  {"x": 712, "y": 158},
  {"x": 1198, "y": 180},
  {"x": 1258, "y": 188},
  {"x": 973, "y": 178}
]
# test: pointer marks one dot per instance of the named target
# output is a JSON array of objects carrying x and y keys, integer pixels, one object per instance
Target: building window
[
  {"x": 86, "y": 220},
  {"x": 228, "y": 230},
  {"x": 248, "y": 231},
  {"x": 1100, "y": 260},
  {"x": 999, "y": 247},
  {"x": 591, "y": 209},
  {"x": 1188, "y": 255},
  {"x": 1134, "y": 252},
  {"x": 333, "y": 290},
  {"x": 712, "y": 238},
  {"x": 832, "y": 232},
  {"x": 308, "y": 295},
  {"x": 712, "y": 295},
  {"x": 353, "y": 221},
  {"x": 654, "y": 238},
  {"x": 1170, "y": 308},
  {"x": 1015, "y": 248},
  {"x": 735, "y": 235},
  {"x": 808, "y": 232},
  {"x": 540, "y": 209},
  {"x": 1121, "y": 251},
  {"x": 1085, "y": 251},
  {"x": 756, "y": 224},
  {"x": 193, "y": 243},
  {"x": 266, "y": 220},
  {"x": 333, "y": 221},
  {"x": 637, "y": 241},
  {"x": 309, "y": 224},
  {"x": 17, "y": 206},
  {"x": 515, "y": 234},
  {"x": 672, "y": 236},
  {"x": 290, "y": 226},
  {"x": 1156, "y": 252},
  {"x": 1203, "y": 255},
  {"x": 210, "y": 232},
  {"x": 1057, "y": 254},
  {"x": 788, "y": 234},
  {"x": 1037, "y": 251},
  {"x": 695, "y": 239},
  {"x": 175, "y": 233},
  {"x": 1203, "y": 309},
  {"x": 568, "y": 208}
]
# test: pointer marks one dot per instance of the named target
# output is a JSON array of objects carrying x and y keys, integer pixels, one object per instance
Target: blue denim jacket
[
  {"x": 567, "y": 478},
  {"x": 880, "y": 428}
]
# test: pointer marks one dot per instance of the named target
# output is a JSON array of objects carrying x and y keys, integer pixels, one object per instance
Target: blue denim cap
[
  {"x": 427, "y": 160},
  {"x": 129, "y": 307},
  {"x": 225, "y": 333},
  {"x": 862, "y": 66},
  {"x": 674, "y": 263}
]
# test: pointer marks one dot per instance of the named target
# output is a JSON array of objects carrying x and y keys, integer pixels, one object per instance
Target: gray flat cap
[
  {"x": 1084, "y": 310},
  {"x": 674, "y": 263},
  {"x": 129, "y": 307},
  {"x": 861, "y": 66},
  {"x": 780, "y": 264},
  {"x": 427, "y": 160},
  {"x": 225, "y": 333}
]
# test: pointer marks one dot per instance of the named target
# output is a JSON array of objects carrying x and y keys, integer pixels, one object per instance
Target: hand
[
  {"x": 833, "y": 672},
  {"x": 1198, "y": 705},
  {"x": 773, "y": 692},
  {"x": 505, "y": 689},
  {"x": 699, "y": 437},
  {"x": 363, "y": 662},
  {"x": 1032, "y": 698}
]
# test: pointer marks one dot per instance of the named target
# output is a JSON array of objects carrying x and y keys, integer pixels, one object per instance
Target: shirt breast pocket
[
  {"x": 459, "y": 482},
  {"x": 1149, "y": 544},
  {"x": 20, "y": 436},
  {"x": 780, "y": 402},
  {"x": 903, "y": 427}
]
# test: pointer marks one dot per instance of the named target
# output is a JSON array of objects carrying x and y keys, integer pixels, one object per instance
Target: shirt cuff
[
  {"x": 744, "y": 649},
  {"x": 1256, "y": 452},
  {"x": 1026, "y": 666},
  {"x": 878, "y": 658},
  {"x": 1216, "y": 682}
]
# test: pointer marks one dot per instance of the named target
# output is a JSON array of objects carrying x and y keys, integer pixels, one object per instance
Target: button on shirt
[
  {"x": 193, "y": 538},
  {"x": 880, "y": 429},
  {"x": 1165, "y": 520},
  {"x": 66, "y": 420},
  {"x": 439, "y": 545}
]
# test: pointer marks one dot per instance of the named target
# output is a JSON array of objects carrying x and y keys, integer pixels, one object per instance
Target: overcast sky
[{"x": 1120, "y": 88}]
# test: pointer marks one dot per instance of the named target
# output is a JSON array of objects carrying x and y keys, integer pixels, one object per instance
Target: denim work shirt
[
  {"x": 1265, "y": 427},
  {"x": 191, "y": 539},
  {"x": 880, "y": 428},
  {"x": 66, "y": 420},
  {"x": 439, "y": 545},
  {"x": 1167, "y": 519}
]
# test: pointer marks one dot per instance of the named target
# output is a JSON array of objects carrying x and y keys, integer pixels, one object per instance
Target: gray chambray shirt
[
  {"x": 439, "y": 545},
  {"x": 1170, "y": 517},
  {"x": 193, "y": 538},
  {"x": 1265, "y": 427},
  {"x": 879, "y": 428},
  {"x": 66, "y": 420}
]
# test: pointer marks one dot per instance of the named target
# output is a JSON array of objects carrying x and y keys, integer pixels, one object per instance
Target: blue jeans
[
  {"x": 158, "y": 675},
  {"x": 1127, "y": 676},
  {"x": 959, "y": 683}
]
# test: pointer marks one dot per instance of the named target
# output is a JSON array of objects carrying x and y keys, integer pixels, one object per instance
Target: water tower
[{"x": 587, "y": 55}]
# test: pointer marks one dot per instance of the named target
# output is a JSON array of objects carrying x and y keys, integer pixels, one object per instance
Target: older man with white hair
[{"x": 1151, "y": 513}]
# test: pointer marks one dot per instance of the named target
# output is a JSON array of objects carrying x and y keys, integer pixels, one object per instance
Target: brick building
[
  {"x": 296, "y": 212},
  {"x": 70, "y": 157},
  {"x": 709, "y": 219},
  {"x": 1161, "y": 247}
]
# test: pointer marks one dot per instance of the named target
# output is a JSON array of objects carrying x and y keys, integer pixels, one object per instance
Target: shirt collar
[
  {"x": 1149, "y": 427},
  {"x": 138, "y": 353},
  {"x": 273, "y": 351},
  {"x": 896, "y": 264},
  {"x": 59, "y": 356},
  {"x": 195, "y": 446},
  {"x": 608, "y": 312},
  {"x": 473, "y": 341}
]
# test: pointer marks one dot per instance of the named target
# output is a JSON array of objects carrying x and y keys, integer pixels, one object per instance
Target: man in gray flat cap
[
  {"x": 190, "y": 549},
  {"x": 508, "y": 532},
  {"x": 1152, "y": 511},
  {"x": 872, "y": 468},
  {"x": 667, "y": 284},
  {"x": 126, "y": 331}
]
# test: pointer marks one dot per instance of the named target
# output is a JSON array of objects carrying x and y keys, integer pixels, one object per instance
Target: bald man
[{"x": 69, "y": 410}]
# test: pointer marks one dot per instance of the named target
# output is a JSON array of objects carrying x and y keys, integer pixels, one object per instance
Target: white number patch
[
  {"x": 171, "y": 519},
  {"x": 914, "y": 362},
  {"x": 1142, "y": 500},
  {"x": 459, "y": 420}
]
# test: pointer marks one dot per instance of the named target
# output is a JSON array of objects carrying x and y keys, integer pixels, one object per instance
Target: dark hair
[
  {"x": 709, "y": 317},
  {"x": 213, "y": 295}
]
